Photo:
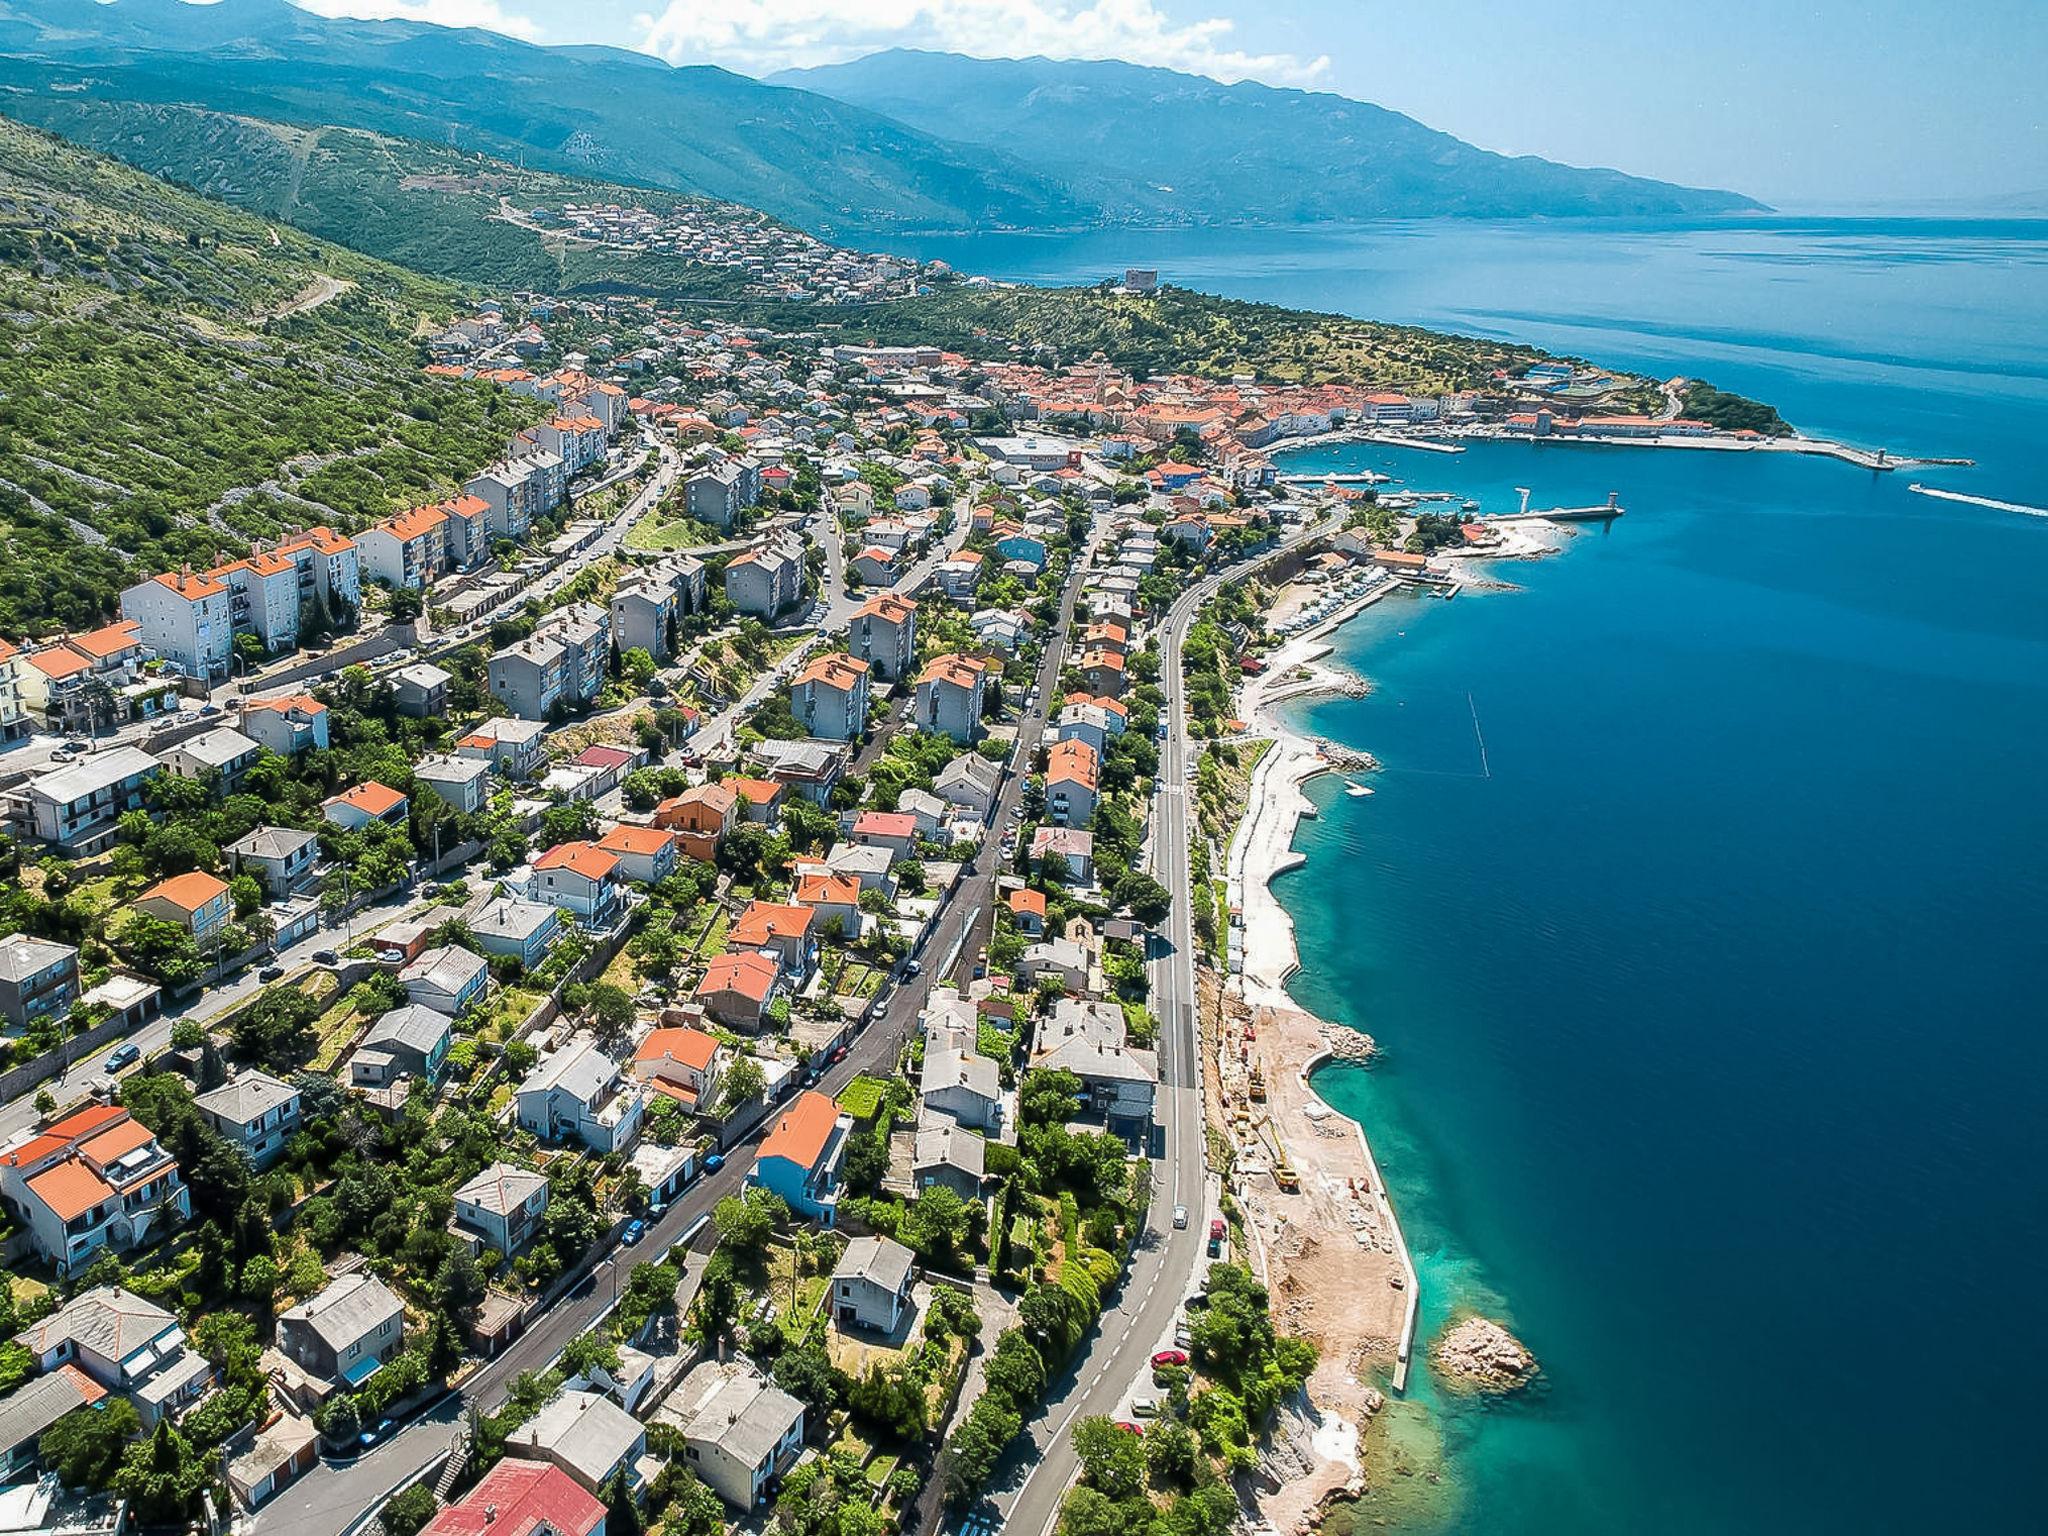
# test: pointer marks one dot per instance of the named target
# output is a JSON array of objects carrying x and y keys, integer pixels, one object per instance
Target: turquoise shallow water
[{"x": 1711, "y": 1006}]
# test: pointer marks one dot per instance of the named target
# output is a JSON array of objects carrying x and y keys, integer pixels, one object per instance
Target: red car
[
  {"x": 1171, "y": 1357},
  {"x": 1129, "y": 1428}
]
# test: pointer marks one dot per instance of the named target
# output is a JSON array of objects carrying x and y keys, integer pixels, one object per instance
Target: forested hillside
[
  {"x": 427, "y": 206},
  {"x": 184, "y": 378}
]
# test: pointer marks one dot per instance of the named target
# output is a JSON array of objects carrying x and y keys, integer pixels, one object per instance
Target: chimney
[{"x": 490, "y": 1514}]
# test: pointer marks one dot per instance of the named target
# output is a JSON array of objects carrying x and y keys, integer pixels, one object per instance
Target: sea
[{"x": 1701, "y": 912}]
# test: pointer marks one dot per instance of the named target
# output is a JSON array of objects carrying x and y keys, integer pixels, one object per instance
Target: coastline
[{"x": 1443, "y": 439}]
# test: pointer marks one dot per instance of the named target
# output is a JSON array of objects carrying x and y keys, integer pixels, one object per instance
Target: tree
[
  {"x": 612, "y": 1007},
  {"x": 1146, "y": 899},
  {"x": 935, "y": 1225},
  {"x": 588, "y": 1353},
  {"x": 745, "y": 1222},
  {"x": 1170, "y": 1456},
  {"x": 405, "y": 605},
  {"x": 1016, "y": 1368},
  {"x": 84, "y": 1448},
  {"x": 162, "y": 1476},
  {"x": 622, "y": 1510},
  {"x": 717, "y": 1306},
  {"x": 743, "y": 1082},
  {"x": 1112, "y": 1459},
  {"x": 808, "y": 1375},
  {"x": 410, "y": 1510}
]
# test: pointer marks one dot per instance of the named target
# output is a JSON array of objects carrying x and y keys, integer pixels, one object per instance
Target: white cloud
[
  {"x": 487, "y": 14},
  {"x": 759, "y": 36}
]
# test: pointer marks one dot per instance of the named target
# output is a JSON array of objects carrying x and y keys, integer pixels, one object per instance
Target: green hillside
[
  {"x": 427, "y": 206},
  {"x": 185, "y": 378}
]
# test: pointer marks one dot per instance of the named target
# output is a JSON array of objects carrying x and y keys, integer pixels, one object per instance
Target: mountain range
[{"x": 901, "y": 140}]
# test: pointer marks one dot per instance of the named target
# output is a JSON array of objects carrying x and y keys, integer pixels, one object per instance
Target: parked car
[
  {"x": 1144, "y": 1407},
  {"x": 1170, "y": 1357},
  {"x": 913, "y": 968},
  {"x": 838, "y": 1055},
  {"x": 1129, "y": 1428},
  {"x": 635, "y": 1230},
  {"x": 326, "y": 957},
  {"x": 209, "y": 709},
  {"x": 1215, "y": 1237},
  {"x": 78, "y": 743},
  {"x": 127, "y": 1053},
  {"x": 271, "y": 973},
  {"x": 714, "y": 1161}
]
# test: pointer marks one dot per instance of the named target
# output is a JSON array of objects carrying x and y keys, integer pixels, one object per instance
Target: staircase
[{"x": 454, "y": 1467}]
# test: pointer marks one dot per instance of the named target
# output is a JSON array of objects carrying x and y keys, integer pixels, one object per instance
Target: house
[
  {"x": 883, "y": 633},
  {"x": 870, "y": 866},
  {"x": 1089, "y": 720},
  {"x": 255, "y": 1113},
  {"x": 807, "y": 769},
  {"x": 830, "y": 697},
  {"x": 786, "y": 932},
  {"x": 578, "y": 1092},
  {"x": 1072, "y": 846},
  {"x": 286, "y": 726},
  {"x": 580, "y": 878},
  {"x": 962, "y": 1085},
  {"x": 124, "y": 1344},
  {"x": 699, "y": 818},
  {"x": 1102, "y": 668},
  {"x": 421, "y": 690},
  {"x": 1000, "y": 630},
  {"x": 766, "y": 579},
  {"x": 800, "y": 1159},
  {"x": 408, "y": 550},
  {"x": 945, "y": 1153},
  {"x": 502, "y": 1207},
  {"x": 875, "y": 566},
  {"x": 649, "y": 604},
  {"x": 33, "y": 1407},
  {"x": 346, "y": 1333},
  {"x": 530, "y": 677},
  {"x": 761, "y": 798},
  {"x": 75, "y": 808},
  {"x": 282, "y": 1449},
  {"x": 1027, "y": 911},
  {"x": 737, "y": 988},
  {"x": 38, "y": 977},
  {"x": 406, "y": 1042},
  {"x": 223, "y": 754},
  {"x": 892, "y": 830},
  {"x": 197, "y": 902},
  {"x": 1073, "y": 777},
  {"x": 586, "y": 1435},
  {"x": 97, "y": 1179},
  {"x": 716, "y": 494},
  {"x": 1016, "y": 544},
  {"x": 958, "y": 576},
  {"x": 356, "y": 808},
  {"x": 1060, "y": 960},
  {"x": 740, "y": 1434},
  {"x": 685, "y": 1064},
  {"x": 1089, "y": 1038},
  {"x": 834, "y": 898},
  {"x": 950, "y": 695},
  {"x": 448, "y": 980},
  {"x": 871, "y": 1284},
  {"x": 970, "y": 782},
  {"x": 513, "y": 747},
  {"x": 187, "y": 619},
  {"x": 926, "y": 810},
  {"x": 463, "y": 782},
  {"x": 518, "y": 1497},
  {"x": 645, "y": 854},
  {"x": 514, "y": 927}
]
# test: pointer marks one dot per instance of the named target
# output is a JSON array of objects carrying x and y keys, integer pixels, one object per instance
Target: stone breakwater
[{"x": 1479, "y": 1355}]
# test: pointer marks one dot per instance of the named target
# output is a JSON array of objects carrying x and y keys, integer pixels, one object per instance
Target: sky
[{"x": 1803, "y": 103}]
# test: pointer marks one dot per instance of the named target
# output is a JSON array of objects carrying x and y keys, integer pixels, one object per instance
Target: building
[
  {"x": 124, "y": 1344},
  {"x": 587, "y": 1435},
  {"x": 288, "y": 725},
  {"x": 255, "y": 1113},
  {"x": 75, "y": 808},
  {"x": 830, "y": 697},
  {"x": 513, "y": 747},
  {"x": 282, "y": 859},
  {"x": 1073, "y": 847},
  {"x": 33, "y": 1407},
  {"x": 187, "y": 620},
  {"x": 740, "y": 1434},
  {"x": 406, "y": 1042},
  {"x": 832, "y": 898},
  {"x": 788, "y": 933},
  {"x": 354, "y": 809},
  {"x": 800, "y": 1160},
  {"x": 346, "y": 1333},
  {"x": 263, "y": 598},
  {"x": 530, "y": 677},
  {"x": 959, "y": 578},
  {"x": 871, "y": 1284},
  {"x": 950, "y": 693},
  {"x": 38, "y": 979},
  {"x": 1090, "y": 1039},
  {"x": 409, "y": 550},
  {"x": 963, "y": 1086},
  {"x": 197, "y": 902},
  {"x": 14, "y": 721},
  {"x": 699, "y": 818},
  {"x": 1073, "y": 780},
  {"x": 716, "y": 494},
  {"x": 760, "y": 799},
  {"x": 462, "y": 782},
  {"x": 579, "y": 1093},
  {"x": 944, "y": 1153},
  {"x": 501, "y": 1207},
  {"x": 580, "y": 878},
  {"x": 765, "y": 580},
  {"x": 1027, "y": 911},
  {"x": 97, "y": 1179},
  {"x": 970, "y": 783},
  {"x": 514, "y": 927},
  {"x": 807, "y": 769},
  {"x": 645, "y": 854},
  {"x": 281, "y": 1451},
  {"x": 684, "y": 1064},
  {"x": 1061, "y": 960},
  {"x": 883, "y": 633},
  {"x": 448, "y": 980},
  {"x": 329, "y": 571},
  {"x": 518, "y": 1497},
  {"x": 650, "y": 603},
  {"x": 584, "y": 632},
  {"x": 421, "y": 690},
  {"x": 738, "y": 988},
  {"x": 223, "y": 754}
]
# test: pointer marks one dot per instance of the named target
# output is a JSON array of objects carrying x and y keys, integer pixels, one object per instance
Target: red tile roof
[
  {"x": 518, "y": 1498},
  {"x": 746, "y": 972},
  {"x": 690, "y": 1048},
  {"x": 803, "y": 1131},
  {"x": 188, "y": 892},
  {"x": 585, "y": 858}
]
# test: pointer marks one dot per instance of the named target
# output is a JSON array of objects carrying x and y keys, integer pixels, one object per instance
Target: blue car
[
  {"x": 635, "y": 1230},
  {"x": 714, "y": 1162}
]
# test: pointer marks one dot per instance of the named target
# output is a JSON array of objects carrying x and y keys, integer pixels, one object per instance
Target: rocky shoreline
[{"x": 1479, "y": 1355}]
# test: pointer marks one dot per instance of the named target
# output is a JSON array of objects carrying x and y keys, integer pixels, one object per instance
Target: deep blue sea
[{"x": 1713, "y": 994}]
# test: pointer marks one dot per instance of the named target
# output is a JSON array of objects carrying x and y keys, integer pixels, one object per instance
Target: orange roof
[
  {"x": 188, "y": 892},
  {"x": 60, "y": 661},
  {"x": 373, "y": 799},
  {"x": 1071, "y": 760},
  {"x": 88, "y": 1390},
  {"x": 766, "y": 920},
  {"x": 85, "y": 1122},
  {"x": 190, "y": 587},
  {"x": 746, "y": 972},
  {"x": 305, "y": 703},
  {"x": 108, "y": 641},
  {"x": 803, "y": 1131},
  {"x": 836, "y": 890},
  {"x": 8, "y": 649},
  {"x": 952, "y": 667},
  {"x": 690, "y": 1048},
  {"x": 117, "y": 1142},
  {"x": 756, "y": 791},
  {"x": 416, "y": 523},
  {"x": 585, "y": 858},
  {"x": 836, "y": 670},
  {"x": 628, "y": 839},
  {"x": 70, "y": 1189},
  {"x": 467, "y": 506},
  {"x": 890, "y": 606},
  {"x": 1028, "y": 901},
  {"x": 323, "y": 539}
]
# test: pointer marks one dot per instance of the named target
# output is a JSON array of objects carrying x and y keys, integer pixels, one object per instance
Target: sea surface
[{"x": 1701, "y": 913}]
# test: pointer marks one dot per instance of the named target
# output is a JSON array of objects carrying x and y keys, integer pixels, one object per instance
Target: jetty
[{"x": 1977, "y": 501}]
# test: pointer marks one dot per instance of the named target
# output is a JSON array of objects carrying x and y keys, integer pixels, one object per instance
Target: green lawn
[{"x": 862, "y": 1098}]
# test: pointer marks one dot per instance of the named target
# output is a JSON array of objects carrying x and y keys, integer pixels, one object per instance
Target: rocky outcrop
[{"x": 1480, "y": 1355}]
